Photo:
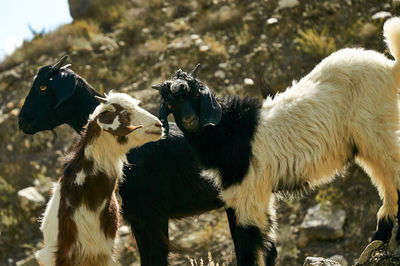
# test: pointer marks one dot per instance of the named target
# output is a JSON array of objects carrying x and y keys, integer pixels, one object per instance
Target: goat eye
[
  {"x": 169, "y": 106},
  {"x": 43, "y": 88}
]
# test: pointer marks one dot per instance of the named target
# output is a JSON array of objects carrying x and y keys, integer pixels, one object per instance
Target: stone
[
  {"x": 340, "y": 259},
  {"x": 366, "y": 254},
  {"x": 287, "y": 4},
  {"x": 223, "y": 65},
  {"x": 219, "y": 74},
  {"x": 317, "y": 261},
  {"x": 381, "y": 15},
  {"x": 272, "y": 21},
  {"x": 203, "y": 48},
  {"x": 84, "y": 9},
  {"x": 323, "y": 222},
  {"x": 248, "y": 81},
  {"x": 30, "y": 199},
  {"x": 29, "y": 261},
  {"x": 10, "y": 147}
]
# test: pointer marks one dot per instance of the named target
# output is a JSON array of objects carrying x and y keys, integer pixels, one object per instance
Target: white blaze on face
[{"x": 113, "y": 126}]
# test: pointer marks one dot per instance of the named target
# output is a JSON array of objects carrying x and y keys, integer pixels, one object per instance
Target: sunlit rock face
[{"x": 83, "y": 9}]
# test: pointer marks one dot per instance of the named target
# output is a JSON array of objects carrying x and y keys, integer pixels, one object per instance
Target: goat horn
[
  {"x": 101, "y": 99},
  {"x": 193, "y": 73},
  {"x": 66, "y": 66},
  {"x": 60, "y": 62},
  {"x": 157, "y": 87}
]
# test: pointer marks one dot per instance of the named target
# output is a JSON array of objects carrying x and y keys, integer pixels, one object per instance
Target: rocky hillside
[{"x": 127, "y": 45}]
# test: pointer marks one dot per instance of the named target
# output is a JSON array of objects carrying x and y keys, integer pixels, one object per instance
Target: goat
[
  {"x": 346, "y": 108},
  {"x": 150, "y": 195},
  {"x": 81, "y": 220}
]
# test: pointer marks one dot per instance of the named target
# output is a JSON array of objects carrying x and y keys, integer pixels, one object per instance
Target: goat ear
[
  {"x": 163, "y": 116},
  {"x": 63, "y": 85},
  {"x": 210, "y": 109},
  {"x": 115, "y": 124}
]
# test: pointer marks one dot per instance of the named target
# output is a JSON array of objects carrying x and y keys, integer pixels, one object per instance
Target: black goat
[
  {"x": 163, "y": 181},
  {"x": 221, "y": 132}
]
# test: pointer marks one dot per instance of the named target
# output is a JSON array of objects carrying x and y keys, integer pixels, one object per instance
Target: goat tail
[{"x": 391, "y": 32}]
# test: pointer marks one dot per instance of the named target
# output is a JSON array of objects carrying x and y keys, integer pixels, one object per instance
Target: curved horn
[
  {"x": 101, "y": 99},
  {"x": 193, "y": 73},
  {"x": 66, "y": 66},
  {"x": 60, "y": 62},
  {"x": 157, "y": 86}
]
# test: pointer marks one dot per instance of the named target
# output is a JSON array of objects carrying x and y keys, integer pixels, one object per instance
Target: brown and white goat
[{"x": 81, "y": 219}]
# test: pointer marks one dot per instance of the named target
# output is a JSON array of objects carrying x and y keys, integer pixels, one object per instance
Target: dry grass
[
  {"x": 319, "y": 44},
  {"x": 210, "y": 261}
]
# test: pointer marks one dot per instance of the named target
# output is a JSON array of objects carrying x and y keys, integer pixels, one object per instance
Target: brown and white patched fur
[
  {"x": 81, "y": 219},
  {"x": 346, "y": 107}
]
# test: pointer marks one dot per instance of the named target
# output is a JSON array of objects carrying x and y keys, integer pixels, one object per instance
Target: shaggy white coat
[{"x": 307, "y": 133}]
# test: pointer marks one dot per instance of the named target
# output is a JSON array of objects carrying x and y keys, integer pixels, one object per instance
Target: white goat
[
  {"x": 345, "y": 109},
  {"x": 81, "y": 218}
]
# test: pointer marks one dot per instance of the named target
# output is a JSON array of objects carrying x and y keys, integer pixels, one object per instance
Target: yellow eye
[{"x": 42, "y": 88}]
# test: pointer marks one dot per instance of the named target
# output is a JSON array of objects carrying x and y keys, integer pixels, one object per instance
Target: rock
[
  {"x": 366, "y": 254},
  {"x": 30, "y": 199},
  {"x": 203, "y": 48},
  {"x": 340, "y": 259},
  {"x": 287, "y": 4},
  {"x": 194, "y": 37},
  {"x": 223, "y": 65},
  {"x": 83, "y": 9},
  {"x": 272, "y": 21},
  {"x": 248, "y": 81},
  {"x": 316, "y": 261},
  {"x": 29, "y": 261},
  {"x": 381, "y": 14},
  {"x": 321, "y": 222},
  {"x": 219, "y": 74}
]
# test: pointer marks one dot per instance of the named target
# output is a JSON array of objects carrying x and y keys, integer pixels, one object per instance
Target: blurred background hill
[{"x": 127, "y": 45}]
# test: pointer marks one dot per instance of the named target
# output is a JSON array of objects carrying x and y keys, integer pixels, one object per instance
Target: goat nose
[{"x": 158, "y": 124}]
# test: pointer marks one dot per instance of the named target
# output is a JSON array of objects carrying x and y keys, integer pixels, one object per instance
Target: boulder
[
  {"x": 316, "y": 261},
  {"x": 322, "y": 222},
  {"x": 30, "y": 199}
]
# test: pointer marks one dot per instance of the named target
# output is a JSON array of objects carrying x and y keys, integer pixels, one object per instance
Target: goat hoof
[{"x": 384, "y": 231}]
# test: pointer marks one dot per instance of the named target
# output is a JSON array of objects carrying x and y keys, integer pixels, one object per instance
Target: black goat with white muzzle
[
  {"x": 163, "y": 179},
  {"x": 345, "y": 109}
]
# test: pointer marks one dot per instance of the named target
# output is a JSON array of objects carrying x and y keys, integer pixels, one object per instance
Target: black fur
[
  {"x": 384, "y": 231},
  {"x": 251, "y": 241},
  {"x": 162, "y": 180},
  {"x": 226, "y": 146}
]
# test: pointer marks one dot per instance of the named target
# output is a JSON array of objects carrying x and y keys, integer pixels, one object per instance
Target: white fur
[
  {"x": 49, "y": 227},
  {"x": 114, "y": 125},
  {"x": 91, "y": 239},
  {"x": 213, "y": 175},
  {"x": 80, "y": 178},
  {"x": 306, "y": 134}
]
